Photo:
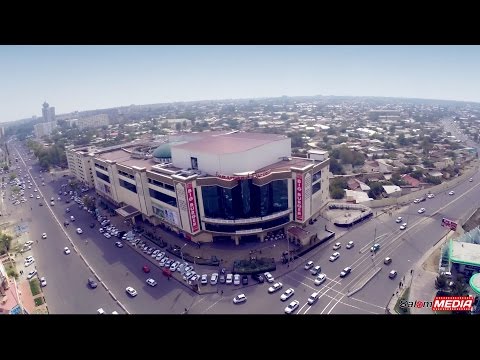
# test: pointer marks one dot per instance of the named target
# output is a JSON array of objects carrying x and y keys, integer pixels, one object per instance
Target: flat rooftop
[
  {"x": 465, "y": 253},
  {"x": 229, "y": 143},
  {"x": 284, "y": 165},
  {"x": 123, "y": 157}
]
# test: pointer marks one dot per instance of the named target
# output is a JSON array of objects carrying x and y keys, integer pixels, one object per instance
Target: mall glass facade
[{"x": 245, "y": 200}]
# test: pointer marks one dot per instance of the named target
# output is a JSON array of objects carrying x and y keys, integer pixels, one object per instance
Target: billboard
[
  {"x": 449, "y": 223},
  {"x": 299, "y": 198},
  {"x": 192, "y": 208}
]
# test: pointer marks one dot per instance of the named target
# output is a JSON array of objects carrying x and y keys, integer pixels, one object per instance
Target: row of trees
[
  {"x": 5, "y": 243},
  {"x": 48, "y": 156}
]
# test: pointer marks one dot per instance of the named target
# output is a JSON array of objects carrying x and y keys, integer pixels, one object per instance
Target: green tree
[
  {"x": 376, "y": 189},
  {"x": 335, "y": 167},
  {"x": 12, "y": 176},
  {"x": 178, "y": 126},
  {"x": 337, "y": 193},
  {"x": 5, "y": 243},
  {"x": 440, "y": 282},
  {"x": 417, "y": 174},
  {"x": 427, "y": 163},
  {"x": 401, "y": 140}
]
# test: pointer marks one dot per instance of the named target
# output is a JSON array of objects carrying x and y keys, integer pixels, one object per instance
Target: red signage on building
[
  {"x": 245, "y": 177},
  {"x": 299, "y": 198},
  {"x": 449, "y": 223},
  {"x": 192, "y": 209}
]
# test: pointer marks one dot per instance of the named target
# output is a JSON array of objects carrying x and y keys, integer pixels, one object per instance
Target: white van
[{"x": 313, "y": 298}]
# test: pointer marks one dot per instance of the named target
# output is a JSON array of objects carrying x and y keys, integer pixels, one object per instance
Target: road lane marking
[{"x": 398, "y": 244}]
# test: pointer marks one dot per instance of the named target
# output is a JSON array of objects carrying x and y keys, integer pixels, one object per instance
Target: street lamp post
[{"x": 181, "y": 252}]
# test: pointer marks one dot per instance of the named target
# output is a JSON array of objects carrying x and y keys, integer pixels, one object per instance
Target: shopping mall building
[{"x": 211, "y": 186}]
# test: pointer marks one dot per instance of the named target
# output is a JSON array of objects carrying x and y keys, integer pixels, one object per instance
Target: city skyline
[{"x": 79, "y": 78}]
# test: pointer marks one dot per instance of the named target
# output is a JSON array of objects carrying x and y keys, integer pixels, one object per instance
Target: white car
[
  {"x": 29, "y": 262},
  {"x": 350, "y": 245},
  {"x": 337, "y": 246},
  {"x": 66, "y": 250},
  {"x": 204, "y": 279},
  {"x": 320, "y": 279},
  {"x": 107, "y": 235},
  {"x": 28, "y": 243},
  {"x": 275, "y": 287},
  {"x": 229, "y": 279},
  {"x": 430, "y": 196},
  {"x": 72, "y": 218},
  {"x": 451, "y": 193},
  {"x": 131, "y": 291},
  {"x": 151, "y": 282},
  {"x": 79, "y": 231},
  {"x": 292, "y": 307},
  {"x": 313, "y": 298},
  {"x": 31, "y": 196},
  {"x": 31, "y": 274},
  {"x": 269, "y": 277},
  {"x": 241, "y": 298},
  {"x": 416, "y": 201},
  {"x": 471, "y": 179},
  {"x": 399, "y": 220},
  {"x": 44, "y": 235},
  {"x": 287, "y": 294},
  {"x": 236, "y": 279},
  {"x": 43, "y": 281},
  {"x": 308, "y": 265},
  {"x": 334, "y": 256},
  {"x": 421, "y": 211},
  {"x": 214, "y": 279},
  {"x": 403, "y": 226},
  {"x": 37, "y": 197},
  {"x": 100, "y": 311}
]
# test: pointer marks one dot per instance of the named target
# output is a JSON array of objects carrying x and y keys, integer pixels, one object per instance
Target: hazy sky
[{"x": 91, "y": 77}]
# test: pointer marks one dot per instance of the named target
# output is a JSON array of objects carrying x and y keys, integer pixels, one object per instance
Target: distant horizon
[{"x": 87, "y": 78}]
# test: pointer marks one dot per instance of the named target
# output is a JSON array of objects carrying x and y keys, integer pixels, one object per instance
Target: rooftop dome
[{"x": 164, "y": 151}]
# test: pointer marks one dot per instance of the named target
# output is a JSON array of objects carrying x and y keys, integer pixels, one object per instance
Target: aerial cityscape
[{"x": 207, "y": 196}]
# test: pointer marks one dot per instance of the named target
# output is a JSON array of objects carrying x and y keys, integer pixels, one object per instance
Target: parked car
[
  {"x": 244, "y": 280},
  {"x": 334, "y": 256},
  {"x": 151, "y": 282},
  {"x": 214, "y": 279},
  {"x": 269, "y": 277},
  {"x": 308, "y": 265},
  {"x": 146, "y": 269},
  {"x": 387, "y": 261},
  {"x": 287, "y": 294},
  {"x": 92, "y": 283},
  {"x": 313, "y": 298},
  {"x": 258, "y": 277},
  {"x": 350, "y": 245},
  {"x": 236, "y": 279},
  {"x": 275, "y": 287},
  {"x": 315, "y": 270},
  {"x": 229, "y": 279},
  {"x": 204, "y": 279},
  {"x": 31, "y": 274},
  {"x": 131, "y": 291},
  {"x": 292, "y": 307},
  {"x": 43, "y": 281}
]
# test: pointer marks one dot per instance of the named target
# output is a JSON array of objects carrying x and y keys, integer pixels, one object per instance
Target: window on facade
[
  {"x": 170, "y": 200},
  {"x": 161, "y": 184},
  {"x": 194, "y": 162},
  {"x": 102, "y": 176},
  {"x": 316, "y": 187},
  {"x": 245, "y": 201},
  {"x": 317, "y": 176},
  {"x": 123, "y": 173},
  {"x": 100, "y": 167},
  {"x": 127, "y": 185}
]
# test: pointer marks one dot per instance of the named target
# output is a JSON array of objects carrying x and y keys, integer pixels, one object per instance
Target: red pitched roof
[{"x": 410, "y": 180}]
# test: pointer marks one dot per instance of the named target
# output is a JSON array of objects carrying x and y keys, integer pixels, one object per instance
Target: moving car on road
[
  {"x": 375, "y": 248},
  {"x": 44, "y": 235},
  {"x": 337, "y": 246},
  {"x": 345, "y": 272},
  {"x": 399, "y": 219},
  {"x": 119, "y": 244},
  {"x": 79, "y": 231},
  {"x": 350, "y": 245},
  {"x": 241, "y": 298},
  {"x": 387, "y": 261},
  {"x": 334, "y": 256},
  {"x": 308, "y": 265},
  {"x": 403, "y": 226},
  {"x": 313, "y": 298},
  {"x": 421, "y": 210},
  {"x": 66, "y": 250},
  {"x": 451, "y": 193},
  {"x": 131, "y": 291},
  {"x": 392, "y": 275},
  {"x": 43, "y": 281},
  {"x": 151, "y": 282}
]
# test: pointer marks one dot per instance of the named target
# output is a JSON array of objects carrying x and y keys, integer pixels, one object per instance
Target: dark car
[
  {"x": 345, "y": 272},
  {"x": 146, "y": 269},
  {"x": 244, "y": 280},
  {"x": 40, "y": 204},
  {"x": 92, "y": 225},
  {"x": 92, "y": 283},
  {"x": 258, "y": 277},
  {"x": 65, "y": 223}
]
